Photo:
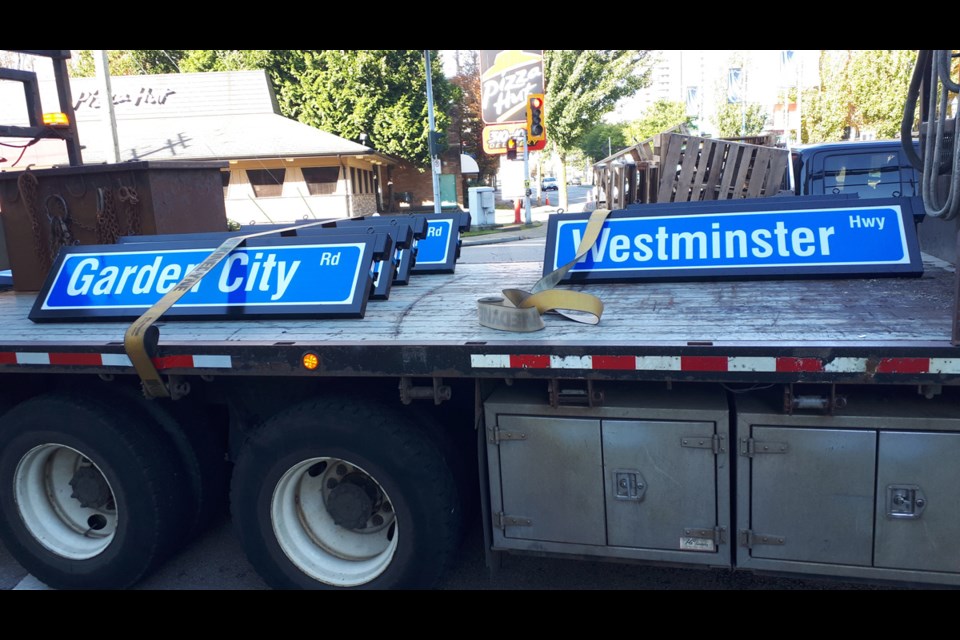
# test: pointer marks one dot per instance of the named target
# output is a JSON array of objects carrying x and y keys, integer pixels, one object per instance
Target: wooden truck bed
[{"x": 434, "y": 320}]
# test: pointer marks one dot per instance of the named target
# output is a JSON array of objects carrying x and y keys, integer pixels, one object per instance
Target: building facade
[{"x": 280, "y": 170}]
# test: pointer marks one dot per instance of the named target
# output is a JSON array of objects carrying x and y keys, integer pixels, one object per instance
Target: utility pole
[
  {"x": 434, "y": 160},
  {"x": 799, "y": 99},
  {"x": 103, "y": 76},
  {"x": 528, "y": 216}
]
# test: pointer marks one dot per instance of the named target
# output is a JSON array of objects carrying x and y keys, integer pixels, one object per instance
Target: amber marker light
[
  {"x": 57, "y": 119},
  {"x": 310, "y": 361}
]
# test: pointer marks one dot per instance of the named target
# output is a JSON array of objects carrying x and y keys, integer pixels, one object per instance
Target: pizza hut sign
[{"x": 507, "y": 78}]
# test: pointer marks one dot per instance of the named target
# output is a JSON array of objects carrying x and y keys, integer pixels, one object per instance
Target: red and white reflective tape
[
  {"x": 111, "y": 360},
  {"x": 731, "y": 364}
]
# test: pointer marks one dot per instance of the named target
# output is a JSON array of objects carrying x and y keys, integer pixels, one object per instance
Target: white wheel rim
[
  {"x": 314, "y": 542},
  {"x": 50, "y": 508}
]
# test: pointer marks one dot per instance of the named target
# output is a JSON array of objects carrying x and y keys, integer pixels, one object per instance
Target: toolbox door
[
  {"x": 811, "y": 494},
  {"x": 661, "y": 484},
  {"x": 918, "y": 501}
]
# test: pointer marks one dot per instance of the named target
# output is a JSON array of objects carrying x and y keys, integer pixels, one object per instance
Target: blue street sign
[
  {"x": 439, "y": 250},
  {"x": 754, "y": 239},
  {"x": 406, "y": 254},
  {"x": 383, "y": 253},
  {"x": 300, "y": 277},
  {"x": 403, "y": 230}
]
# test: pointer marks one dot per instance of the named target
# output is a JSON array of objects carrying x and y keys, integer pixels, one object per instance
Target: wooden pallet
[
  {"x": 710, "y": 169},
  {"x": 702, "y": 169}
]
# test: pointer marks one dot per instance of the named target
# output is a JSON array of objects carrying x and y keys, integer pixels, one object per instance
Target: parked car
[
  {"x": 576, "y": 181},
  {"x": 868, "y": 168},
  {"x": 549, "y": 184}
]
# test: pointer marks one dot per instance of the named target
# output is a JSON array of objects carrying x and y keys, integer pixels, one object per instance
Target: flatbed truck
[
  {"x": 806, "y": 427},
  {"x": 420, "y": 414}
]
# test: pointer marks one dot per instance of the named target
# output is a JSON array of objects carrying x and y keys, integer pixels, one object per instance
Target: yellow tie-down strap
[
  {"x": 142, "y": 337},
  {"x": 520, "y": 310}
]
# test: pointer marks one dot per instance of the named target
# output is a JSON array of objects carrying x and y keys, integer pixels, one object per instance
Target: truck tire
[
  {"x": 202, "y": 448},
  {"x": 91, "y": 494},
  {"x": 341, "y": 494}
]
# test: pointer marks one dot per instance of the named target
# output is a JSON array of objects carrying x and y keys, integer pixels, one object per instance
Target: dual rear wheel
[
  {"x": 340, "y": 494},
  {"x": 90, "y": 498},
  {"x": 326, "y": 494},
  {"x": 97, "y": 493}
]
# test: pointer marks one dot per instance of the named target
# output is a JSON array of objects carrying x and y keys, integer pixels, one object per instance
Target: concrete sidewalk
[{"x": 508, "y": 230}]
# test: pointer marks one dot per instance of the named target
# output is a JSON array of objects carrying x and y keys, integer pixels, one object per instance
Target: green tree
[
  {"x": 859, "y": 91},
  {"x": 583, "y": 86},
  {"x": 661, "y": 116},
  {"x": 602, "y": 141},
  {"x": 230, "y": 59},
  {"x": 466, "y": 117},
  {"x": 738, "y": 119},
  {"x": 345, "y": 92},
  {"x": 128, "y": 62},
  {"x": 378, "y": 92}
]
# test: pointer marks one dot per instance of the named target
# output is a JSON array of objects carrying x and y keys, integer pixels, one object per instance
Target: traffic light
[
  {"x": 536, "y": 131},
  {"x": 511, "y": 148}
]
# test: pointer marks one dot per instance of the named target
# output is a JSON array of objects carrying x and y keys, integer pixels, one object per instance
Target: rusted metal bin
[{"x": 45, "y": 209}]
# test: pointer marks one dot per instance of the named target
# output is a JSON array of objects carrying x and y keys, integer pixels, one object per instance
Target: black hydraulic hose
[
  {"x": 910, "y": 109},
  {"x": 941, "y": 131},
  {"x": 938, "y": 133},
  {"x": 943, "y": 67}
]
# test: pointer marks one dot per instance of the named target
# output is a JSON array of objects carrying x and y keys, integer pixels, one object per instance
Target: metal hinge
[
  {"x": 501, "y": 435},
  {"x": 750, "y": 447},
  {"x": 504, "y": 521},
  {"x": 750, "y": 539},
  {"x": 714, "y": 443}
]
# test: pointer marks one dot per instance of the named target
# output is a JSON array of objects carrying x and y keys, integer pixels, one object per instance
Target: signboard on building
[{"x": 507, "y": 79}]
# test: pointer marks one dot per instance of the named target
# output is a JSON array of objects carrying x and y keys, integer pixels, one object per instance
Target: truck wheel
[
  {"x": 91, "y": 496},
  {"x": 344, "y": 495},
  {"x": 202, "y": 449}
]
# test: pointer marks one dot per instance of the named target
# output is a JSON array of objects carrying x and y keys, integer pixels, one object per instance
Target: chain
[
  {"x": 108, "y": 229},
  {"x": 28, "y": 186},
  {"x": 108, "y": 224},
  {"x": 128, "y": 196},
  {"x": 60, "y": 234}
]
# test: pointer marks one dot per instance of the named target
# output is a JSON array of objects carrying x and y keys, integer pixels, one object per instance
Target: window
[
  {"x": 362, "y": 180},
  {"x": 321, "y": 181},
  {"x": 266, "y": 183},
  {"x": 872, "y": 175}
]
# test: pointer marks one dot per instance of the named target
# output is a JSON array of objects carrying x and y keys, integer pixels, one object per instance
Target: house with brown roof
[{"x": 280, "y": 170}]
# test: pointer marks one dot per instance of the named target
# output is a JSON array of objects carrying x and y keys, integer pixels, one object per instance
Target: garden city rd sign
[{"x": 294, "y": 277}]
